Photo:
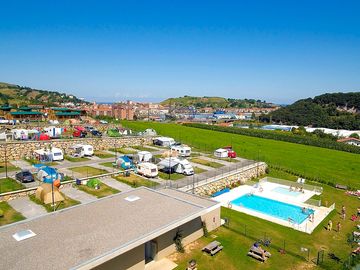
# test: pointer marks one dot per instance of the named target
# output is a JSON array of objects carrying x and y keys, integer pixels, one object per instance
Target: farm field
[{"x": 325, "y": 164}]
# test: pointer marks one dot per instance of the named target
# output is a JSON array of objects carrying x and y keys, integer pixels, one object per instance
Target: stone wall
[
  {"x": 231, "y": 180},
  {"x": 16, "y": 150}
]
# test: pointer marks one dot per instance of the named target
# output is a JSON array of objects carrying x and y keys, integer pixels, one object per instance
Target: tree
[{"x": 355, "y": 135}]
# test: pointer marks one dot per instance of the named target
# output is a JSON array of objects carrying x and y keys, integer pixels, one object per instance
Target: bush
[{"x": 1, "y": 213}]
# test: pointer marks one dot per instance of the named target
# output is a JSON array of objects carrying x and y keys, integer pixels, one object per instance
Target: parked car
[
  {"x": 96, "y": 133},
  {"x": 24, "y": 176},
  {"x": 89, "y": 128}
]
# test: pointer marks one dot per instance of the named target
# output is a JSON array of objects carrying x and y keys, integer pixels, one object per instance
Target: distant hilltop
[
  {"x": 335, "y": 110},
  {"x": 22, "y": 95},
  {"x": 215, "y": 102}
]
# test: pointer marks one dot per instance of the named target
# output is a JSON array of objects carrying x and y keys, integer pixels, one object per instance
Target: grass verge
[
  {"x": 135, "y": 181},
  {"x": 59, "y": 205},
  {"x": 9, "y": 184},
  {"x": 9, "y": 214},
  {"x": 103, "y": 191},
  {"x": 88, "y": 171},
  {"x": 76, "y": 159},
  {"x": 173, "y": 176}
]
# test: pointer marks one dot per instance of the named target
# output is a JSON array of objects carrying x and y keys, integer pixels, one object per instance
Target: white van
[
  {"x": 53, "y": 132},
  {"x": 182, "y": 150},
  {"x": 164, "y": 141},
  {"x": 147, "y": 169}
]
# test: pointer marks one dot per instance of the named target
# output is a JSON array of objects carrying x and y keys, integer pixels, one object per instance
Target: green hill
[
  {"x": 337, "y": 111},
  {"x": 22, "y": 95},
  {"x": 213, "y": 102}
]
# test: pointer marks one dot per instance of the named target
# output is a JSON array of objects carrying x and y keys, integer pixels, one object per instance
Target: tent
[
  {"x": 94, "y": 183},
  {"x": 45, "y": 193},
  {"x": 49, "y": 174},
  {"x": 124, "y": 162}
]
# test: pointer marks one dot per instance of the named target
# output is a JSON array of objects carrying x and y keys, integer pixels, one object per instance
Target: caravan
[
  {"x": 81, "y": 150},
  {"x": 175, "y": 165},
  {"x": 53, "y": 132},
  {"x": 164, "y": 141},
  {"x": 143, "y": 156},
  {"x": 147, "y": 169},
  {"x": 182, "y": 150},
  {"x": 20, "y": 134},
  {"x": 45, "y": 155}
]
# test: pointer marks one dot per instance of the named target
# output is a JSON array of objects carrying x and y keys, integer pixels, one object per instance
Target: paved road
[{"x": 27, "y": 207}]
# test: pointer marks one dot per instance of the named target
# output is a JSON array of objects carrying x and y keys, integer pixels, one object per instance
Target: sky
[{"x": 277, "y": 51}]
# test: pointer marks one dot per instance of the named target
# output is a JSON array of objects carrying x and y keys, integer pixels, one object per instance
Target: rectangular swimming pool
[
  {"x": 286, "y": 191},
  {"x": 273, "y": 208}
]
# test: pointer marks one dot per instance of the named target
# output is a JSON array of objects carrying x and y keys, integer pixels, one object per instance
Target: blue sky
[{"x": 279, "y": 51}]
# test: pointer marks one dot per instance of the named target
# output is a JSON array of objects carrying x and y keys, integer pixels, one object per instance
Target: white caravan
[
  {"x": 81, "y": 150},
  {"x": 20, "y": 134},
  {"x": 221, "y": 153},
  {"x": 147, "y": 169},
  {"x": 54, "y": 154},
  {"x": 144, "y": 156},
  {"x": 182, "y": 150},
  {"x": 53, "y": 132}
]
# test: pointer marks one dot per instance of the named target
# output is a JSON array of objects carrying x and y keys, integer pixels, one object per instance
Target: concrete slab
[
  {"x": 77, "y": 194},
  {"x": 163, "y": 264},
  {"x": 27, "y": 207},
  {"x": 115, "y": 184}
]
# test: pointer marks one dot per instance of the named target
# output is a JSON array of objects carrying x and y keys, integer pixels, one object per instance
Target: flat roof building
[{"x": 122, "y": 231}]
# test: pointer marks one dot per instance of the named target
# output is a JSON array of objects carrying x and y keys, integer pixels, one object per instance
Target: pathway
[
  {"x": 111, "y": 182},
  {"x": 77, "y": 194},
  {"x": 27, "y": 207}
]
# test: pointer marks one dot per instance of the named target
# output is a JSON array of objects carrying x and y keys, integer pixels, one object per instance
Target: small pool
[
  {"x": 286, "y": 191},
  {"x": 273, "y": 208}
]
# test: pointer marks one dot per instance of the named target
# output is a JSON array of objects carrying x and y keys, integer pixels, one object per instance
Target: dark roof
[
  {"x": 24, "y": 108},
  {"x": 89, "y": 234},
  {"x": 26, "y": 113},
  {"x": 67, "y": 114},
  {"x": 6, "y": 107}
]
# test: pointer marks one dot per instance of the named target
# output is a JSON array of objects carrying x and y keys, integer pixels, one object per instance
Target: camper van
[
  {"x": 175, "y": 165},
  {"x": 20, "y": 134},
  {"x": 53, "y": 132},
  {"x": 147, "y": 169},
  {"x": 164, "y": 141},
  {"x": 81, "y": 150},
  {"x": 182, "y": 150},
  {"x": 55, "y": 154}
]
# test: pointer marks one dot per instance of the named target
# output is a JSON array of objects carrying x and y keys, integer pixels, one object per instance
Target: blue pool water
[
  {"x": 285, "y": 191},
  {"x": 273, "y": 208}
]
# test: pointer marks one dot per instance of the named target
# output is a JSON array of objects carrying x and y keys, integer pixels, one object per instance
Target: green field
[
  {"x": 9, "y": 184},
  {"x": 122, "y": 151},
  {"x": 325, "y": 164},
  {"x": 198, "y": 170},
  {"x": 9, "y": 214},
  {"x": 144, "y": 148},
  {"x": 207, "y": 163},
  {"x": 244, "y": 230},
  {"x": 135, "y": 181},
  {"x": 103, "y": 191},
  {"x": 9, "y": 166},
  {"x": 88, "y": 171}
]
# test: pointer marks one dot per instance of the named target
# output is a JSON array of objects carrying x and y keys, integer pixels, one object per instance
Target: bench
[
  {"x": 213, "y": 248},
  {"x": 258, "y": 254}
]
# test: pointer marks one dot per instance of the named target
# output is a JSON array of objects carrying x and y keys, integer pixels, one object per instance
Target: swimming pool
[
  {"x": 273, "y": 208},
  {"x": 286, "y": 191}
]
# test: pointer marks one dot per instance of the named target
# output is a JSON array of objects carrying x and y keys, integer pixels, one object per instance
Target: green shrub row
[{"x": 281, "y": 136}]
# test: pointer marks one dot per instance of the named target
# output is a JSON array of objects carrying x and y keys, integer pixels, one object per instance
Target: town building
[{"x": 124, "y": 231}]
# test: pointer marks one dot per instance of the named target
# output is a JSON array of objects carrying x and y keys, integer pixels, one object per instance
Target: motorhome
[
  {"x": 53, "y": 132},
  {"x": 164, "y": 141},
  {"x": 175, "y": 165},
  {"x": 20, "y": 134},
  {"x": 147, "y": 169},
  {"x": 53, "y": 154},
  {"x": 81, "y": 150},
  {"x": 182, "y": 150}
]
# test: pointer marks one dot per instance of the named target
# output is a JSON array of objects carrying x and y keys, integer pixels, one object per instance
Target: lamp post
[
  {"x": 169, "y": 162},
  {"x": 6, "y": 170}
]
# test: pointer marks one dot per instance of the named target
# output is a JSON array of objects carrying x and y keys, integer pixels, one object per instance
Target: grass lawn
[
  {"x": 236, "y": 243},
  {"x": 33, "y": 161},
  {"x": 122, "y": 151},
  {"x": 101, "y": 154},
  {"x": 76, "y": 159},
  {"x": 59, "y": 205},
  {"x": 173, "y": 176},
  {"x": 10, "y": 167},
  {"x": 135, "y": 181},
  {"x": 329, "y": 165},
  {"x": 10, "y": 215},
  {"x": 198, "y": 170},
  {"x": 207, "y": 163},
  {"x": 104, "y": 190},
  {"x": 143, "y": 148},
  {"x": 88, "y": 171},
  {"x": 9, "y": 184}
]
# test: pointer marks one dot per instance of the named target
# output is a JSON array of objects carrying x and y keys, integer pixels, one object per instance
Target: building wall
[{"x": 131, "y": 260}]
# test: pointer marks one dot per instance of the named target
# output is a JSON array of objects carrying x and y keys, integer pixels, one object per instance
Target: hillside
[
  {"x": 337, "y": 111},
  {"x": 21, "y": 95},
  {"x": 213, "y": 102}
]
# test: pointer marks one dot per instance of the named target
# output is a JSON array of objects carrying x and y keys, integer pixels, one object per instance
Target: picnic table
[{"x": 213, "y": 248}]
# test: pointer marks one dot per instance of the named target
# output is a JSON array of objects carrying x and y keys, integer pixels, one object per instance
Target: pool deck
[{"x": 267, "y": 192}]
